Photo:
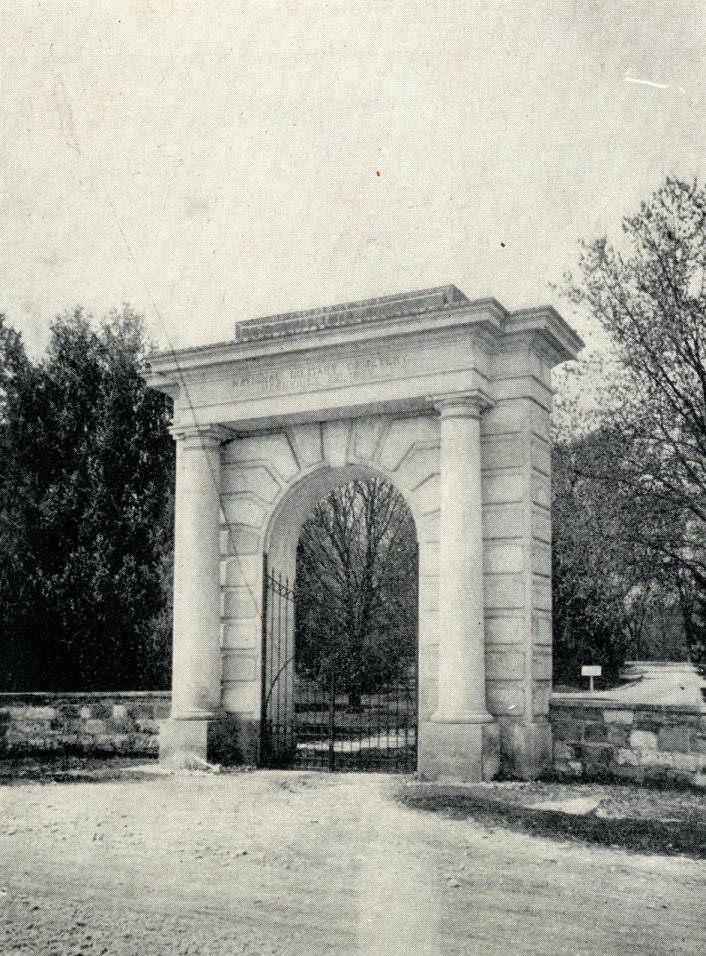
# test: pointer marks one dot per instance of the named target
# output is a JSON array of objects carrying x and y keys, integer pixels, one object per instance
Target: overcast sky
[{"x": 212, "y": 161}]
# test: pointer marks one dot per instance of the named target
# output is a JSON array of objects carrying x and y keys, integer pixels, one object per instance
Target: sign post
[{"x": 591, "y": 671}]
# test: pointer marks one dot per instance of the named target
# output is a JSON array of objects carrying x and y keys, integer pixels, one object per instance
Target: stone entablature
[
  {"x": 449, "y": 400},
  {"x": 331, "y": 371}
]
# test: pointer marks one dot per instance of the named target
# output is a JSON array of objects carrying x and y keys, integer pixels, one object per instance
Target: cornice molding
[
  {"x": 433, "y": 311},
  {"x": 543, "y": 327},
  {"x": 351, "y": 313},
  {"x": 485, "y": 317},
  {"x": 167, "y": 384}
]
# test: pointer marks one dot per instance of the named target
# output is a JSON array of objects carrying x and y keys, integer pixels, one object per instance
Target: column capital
[
  {"x": 463, "y": 404},
  {"x": 199, "y": 435}
]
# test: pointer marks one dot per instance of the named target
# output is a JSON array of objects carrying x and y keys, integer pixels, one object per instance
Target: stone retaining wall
[
  {"x": 593, "y": 739},
  {"x": 602, "y": 740},
  {"x": 97, "y": 724}
]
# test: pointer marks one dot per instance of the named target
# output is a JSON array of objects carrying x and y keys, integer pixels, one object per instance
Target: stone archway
[
  {"x": 290, "y": 735},
  {"x": 303, "y": 463},
  {"x": 449, "y": 400}
]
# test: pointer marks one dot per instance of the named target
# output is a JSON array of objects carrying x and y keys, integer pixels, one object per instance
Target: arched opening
[{"x": 340, "y": 622}]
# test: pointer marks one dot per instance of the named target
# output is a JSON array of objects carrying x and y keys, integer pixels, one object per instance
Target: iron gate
[{"x": 311, "y": 723}]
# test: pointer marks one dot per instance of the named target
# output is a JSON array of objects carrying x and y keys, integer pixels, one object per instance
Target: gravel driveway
[{"x": 302, "y": 863}]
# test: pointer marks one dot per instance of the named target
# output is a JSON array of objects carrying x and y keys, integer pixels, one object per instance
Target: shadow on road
[{"x": 639, "y": 834}]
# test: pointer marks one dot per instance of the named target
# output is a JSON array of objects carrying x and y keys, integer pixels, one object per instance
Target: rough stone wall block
[
  {"x": 640, "y": 743},
  {"x": 96, "y": 724}
]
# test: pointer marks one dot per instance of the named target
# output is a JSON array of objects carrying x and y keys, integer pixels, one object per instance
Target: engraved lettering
[{"x": 317, "y": 375}]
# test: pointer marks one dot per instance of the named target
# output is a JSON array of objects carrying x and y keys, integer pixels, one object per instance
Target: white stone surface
[
  {"x": 298, "y": 404},
  {"x": 196, "y": 669},
  {"x": 461, "y": 601}
]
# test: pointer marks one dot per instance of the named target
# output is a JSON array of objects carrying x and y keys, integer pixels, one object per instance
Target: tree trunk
[{"x": 355, "y": 702}]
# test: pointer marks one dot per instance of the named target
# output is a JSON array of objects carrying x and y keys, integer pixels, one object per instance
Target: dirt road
[{"x": 300, "y": 863}]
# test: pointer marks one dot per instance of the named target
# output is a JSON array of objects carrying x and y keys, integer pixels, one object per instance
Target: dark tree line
[{"x": 86, "y": 472}]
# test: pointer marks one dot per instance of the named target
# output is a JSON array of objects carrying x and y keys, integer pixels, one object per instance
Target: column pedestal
[
  {"x": 459, "y": 753},
  {"x": 526, "y": 748},
  {"x": 184, "y": 743},
  {"x": 223, "y": 739}
]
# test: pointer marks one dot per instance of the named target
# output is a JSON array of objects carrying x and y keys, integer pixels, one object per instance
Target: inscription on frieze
[{"x": 313, "y": 376}]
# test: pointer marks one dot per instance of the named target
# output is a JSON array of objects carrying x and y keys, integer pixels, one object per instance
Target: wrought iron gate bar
[{"x": 307, "y": 723}]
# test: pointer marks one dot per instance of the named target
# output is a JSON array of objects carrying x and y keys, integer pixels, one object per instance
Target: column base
[
  {"x": 224, "y": 739},
  {"x": 459, "y": 753},
  {"x": 526, "y": 749}
]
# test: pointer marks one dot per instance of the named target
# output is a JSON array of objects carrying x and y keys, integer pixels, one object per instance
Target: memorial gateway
[{"x": 446, "y": 399}]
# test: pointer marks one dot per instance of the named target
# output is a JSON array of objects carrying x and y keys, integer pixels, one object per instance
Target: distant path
[
  {"x": 383, "y": 741},
  {"x": 301, "y": 863}
]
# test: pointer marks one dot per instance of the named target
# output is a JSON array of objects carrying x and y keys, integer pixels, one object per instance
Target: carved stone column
[
  {"x": 196, "y": 666},
  {"x": 465, "y": 732}
]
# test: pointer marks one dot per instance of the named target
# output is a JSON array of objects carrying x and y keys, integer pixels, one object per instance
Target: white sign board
[{"x": 590, "y": 670}]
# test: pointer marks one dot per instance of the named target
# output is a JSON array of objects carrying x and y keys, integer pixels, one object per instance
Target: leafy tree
[
  {"x": 649, "y": 294},
  {"x": 15, "y": 371},
  {"x": 693, "y": 603},
  {"x": 85, "y": 472},
  {"x": 357, "y": 590},
  {"x": 608, "y": 582},
  {"x": 13, "y": 361}
]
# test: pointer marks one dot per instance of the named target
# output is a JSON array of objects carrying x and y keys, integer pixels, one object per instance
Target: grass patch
[
  {"x": 685, "y": 836},
  {"x": 65, "y": 768}
]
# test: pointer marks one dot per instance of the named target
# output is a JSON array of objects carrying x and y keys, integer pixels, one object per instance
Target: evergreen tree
[{"x": 85, "y": 497}]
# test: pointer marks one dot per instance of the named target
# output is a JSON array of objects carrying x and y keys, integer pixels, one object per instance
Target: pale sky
[{"x": 212, "y": 161}]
